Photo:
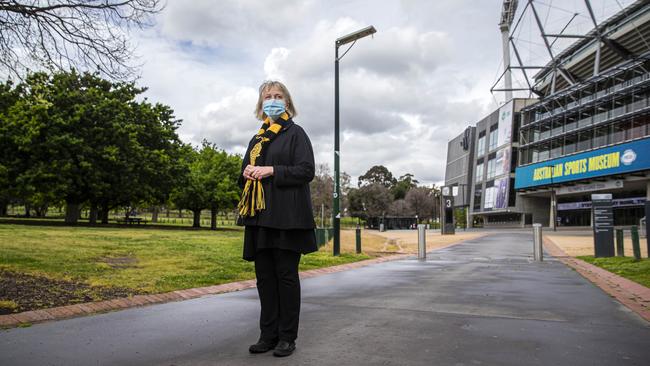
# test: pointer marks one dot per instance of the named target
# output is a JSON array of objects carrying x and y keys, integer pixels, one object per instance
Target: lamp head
[{"x": 356, "y": 35}]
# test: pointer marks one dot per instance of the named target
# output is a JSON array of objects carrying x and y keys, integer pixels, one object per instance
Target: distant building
[
  {"x": 588, "y": 132},
  {"x": 458, "y": 173}
]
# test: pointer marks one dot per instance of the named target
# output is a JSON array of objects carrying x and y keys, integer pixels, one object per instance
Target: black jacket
[{"x": 286, "y": 192}]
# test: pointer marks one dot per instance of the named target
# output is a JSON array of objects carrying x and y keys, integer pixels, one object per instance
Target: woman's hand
[{"x": 257, "y": 172}]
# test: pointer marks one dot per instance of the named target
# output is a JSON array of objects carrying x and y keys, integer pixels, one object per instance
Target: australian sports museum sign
[{"x": 624, "y": 158}]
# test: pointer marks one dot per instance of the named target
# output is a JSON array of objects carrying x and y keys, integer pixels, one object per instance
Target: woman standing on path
[{"x": 276, "y": 209}]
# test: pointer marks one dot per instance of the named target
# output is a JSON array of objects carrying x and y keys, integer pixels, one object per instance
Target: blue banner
[{"x": 624, "y": 158}]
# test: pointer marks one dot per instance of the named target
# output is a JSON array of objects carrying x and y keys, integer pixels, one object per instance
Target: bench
[{"x": 131, "y": 221}]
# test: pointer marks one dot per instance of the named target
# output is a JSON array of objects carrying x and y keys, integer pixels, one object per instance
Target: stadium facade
[{"x": 588, "y": 131}]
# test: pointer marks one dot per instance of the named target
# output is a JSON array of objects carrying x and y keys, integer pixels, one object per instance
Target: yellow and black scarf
[{"x": 252, "y": 198}]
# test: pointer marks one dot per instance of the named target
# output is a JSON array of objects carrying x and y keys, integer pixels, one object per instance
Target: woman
[{"x": 276, "y": 209}]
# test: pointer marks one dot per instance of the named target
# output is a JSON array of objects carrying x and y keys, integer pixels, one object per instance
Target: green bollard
[
  {"x": 620, "y": 251},
  {"x": 358, "y": 235},
  {"x": 636, "y": 248}
]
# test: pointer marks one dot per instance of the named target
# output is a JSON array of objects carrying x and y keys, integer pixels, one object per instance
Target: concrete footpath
[{"x": 478, "y": 303}]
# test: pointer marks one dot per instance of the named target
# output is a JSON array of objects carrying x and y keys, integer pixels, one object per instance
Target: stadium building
[{"x": 587, "y": 131}]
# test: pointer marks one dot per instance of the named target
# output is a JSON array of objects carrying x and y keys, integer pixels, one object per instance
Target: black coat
[{"x": 286, "y": 192}]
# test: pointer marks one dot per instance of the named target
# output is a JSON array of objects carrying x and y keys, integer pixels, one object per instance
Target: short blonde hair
[{"x": 290, "y": 107}]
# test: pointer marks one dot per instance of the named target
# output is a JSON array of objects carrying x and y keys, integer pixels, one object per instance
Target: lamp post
[
  {"x": 553, "y": 200},
  {"x": 336, "y": 211}
]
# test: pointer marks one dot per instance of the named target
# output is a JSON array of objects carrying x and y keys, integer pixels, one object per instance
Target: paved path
[{"x": 478, "y": 303}]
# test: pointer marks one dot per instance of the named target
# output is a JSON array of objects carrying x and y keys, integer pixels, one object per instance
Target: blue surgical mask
[{"x": 273, "y": 107}]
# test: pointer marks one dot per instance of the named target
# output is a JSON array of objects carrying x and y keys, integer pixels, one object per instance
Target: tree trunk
[
  {"x": 72, "y": 211},
  {"x": 197, "y": 218},
  {"x": 27, "y": 210},
  {"x": 167, "y": 208},
  {"x": 213, "y": 217},
  {"x": 103, "y": 213},
  {"x": 180, "y": 213},
  {"x": 154, "y": 214},
  {"x": 3, "y": 207},
  {"x": 41, "y": 211},
  {"x": 92, "y": 215}
]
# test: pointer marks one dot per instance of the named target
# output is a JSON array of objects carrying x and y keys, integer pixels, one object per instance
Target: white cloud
[
  {"x": 418, "y": 82},
  {"x": 273, "y": 61}
]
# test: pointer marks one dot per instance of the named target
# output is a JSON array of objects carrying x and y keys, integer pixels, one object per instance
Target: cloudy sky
[{"x": 422, "y": 78}]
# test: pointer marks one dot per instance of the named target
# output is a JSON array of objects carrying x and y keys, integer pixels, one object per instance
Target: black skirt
[{"x": 259, "y": 237}]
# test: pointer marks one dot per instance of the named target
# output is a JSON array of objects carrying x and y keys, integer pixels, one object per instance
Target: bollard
[
  {"x": 422, "y": 241},
  {"x": 620, "y": 250},
  {"x": 636, "y": 248},
  {"x": 538, "y": 253},
  {"x": 358, "y": 235}
]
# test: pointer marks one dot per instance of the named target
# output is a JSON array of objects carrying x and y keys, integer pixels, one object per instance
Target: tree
[
  {"x": 138, "y": 148},
  {"x": 375, "y": 198},
  {"x": 79, "y": 138},
  {"x": 9, "y": 155},
  {"x": 222, "y": 170},
  {"x": 400, "y": 208},
  {"x": 59, "y": 34},
  {"x": 377, "y": 174},
  {"x": 403, "y": 185},
  {"x": 210, "y": 182},
  {"x": 322, "y": 189},
  {"x": 421, "y": 201}
]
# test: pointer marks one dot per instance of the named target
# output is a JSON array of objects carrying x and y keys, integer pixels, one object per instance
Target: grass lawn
[
  {"x": 146, "y": 259},
  {"x": 638, "y": 272}
]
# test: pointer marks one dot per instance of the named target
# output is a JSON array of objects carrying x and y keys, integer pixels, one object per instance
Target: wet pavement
[{"x": 482, "y": 302}]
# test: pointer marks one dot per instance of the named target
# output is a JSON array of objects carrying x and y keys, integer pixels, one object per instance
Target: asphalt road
[{"x": 482, "y": 302}]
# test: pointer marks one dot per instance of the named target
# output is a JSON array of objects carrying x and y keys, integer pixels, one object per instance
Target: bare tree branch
[{"x": 59, "y": 34}]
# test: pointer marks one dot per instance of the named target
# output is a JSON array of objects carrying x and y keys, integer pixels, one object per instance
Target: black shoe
[
  {"x": 284, "y": 349},
  {"x": 262, "y": 346}
]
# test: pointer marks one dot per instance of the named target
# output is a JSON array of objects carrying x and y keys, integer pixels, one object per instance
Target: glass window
[
  {"x": 480, "y": 147},
  {"x": 570, "y": 124},
  {"x": 584, "y": 140},
  {"x": 534, "y": 134},
  {"x": 600, "y": 136},
  {"x": 534, "y": 154},
  {"x": 558, "y": 127},
  {"x": 545, "y": 130},
  {"x": 638, "y": 129},
  {"x": 585, "y": 119},
  {"x": 556, "y": 148},
  {"x": 478, "y": 194},
  {"x": 524, "y": 156},
  {"x": 617, "y": 132},
  {"x": 544, "y": 151},
  {"x": 570, "y": 144},
  {"x": 490, "y": 195},
  {"x": 491, "y": 168},
  {"x": 479, "y": 172},
  {"x": 493, "y": 139}
]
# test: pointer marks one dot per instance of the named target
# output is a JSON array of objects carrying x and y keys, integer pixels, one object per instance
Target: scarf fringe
[{"x": 252, "y": 199}]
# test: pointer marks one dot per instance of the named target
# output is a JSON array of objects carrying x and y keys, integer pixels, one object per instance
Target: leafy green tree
[
  {"x": 9, "y": 154},
  {"x": 81, "y": 138},
  {"x": 210, "y": 182},
  {"x": 143, "y": 147},
  {"x": 403, "y": 185},
  {"x": 377, "y": 174}
]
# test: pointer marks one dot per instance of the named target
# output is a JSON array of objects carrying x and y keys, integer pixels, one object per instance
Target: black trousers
[{"x": 278, "y": 286}]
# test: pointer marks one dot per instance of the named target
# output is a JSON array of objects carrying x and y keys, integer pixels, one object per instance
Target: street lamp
[
  {"x": 553, "y": 199},
  {"x": 336, "y": 211}
]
